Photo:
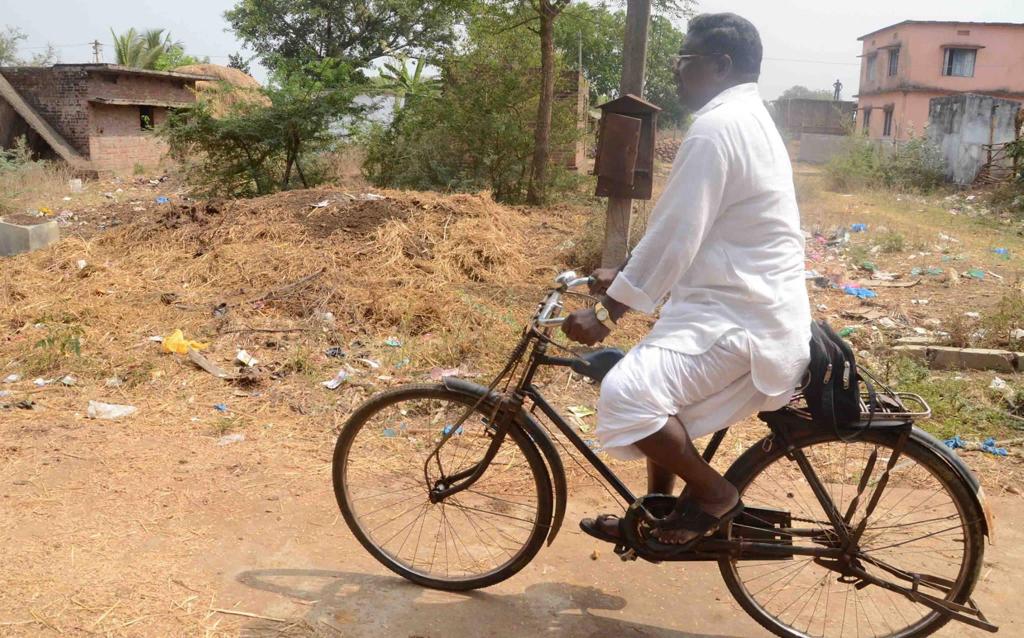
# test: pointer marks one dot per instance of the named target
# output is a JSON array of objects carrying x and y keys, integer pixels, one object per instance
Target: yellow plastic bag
[{"x": 177, "y": 343}]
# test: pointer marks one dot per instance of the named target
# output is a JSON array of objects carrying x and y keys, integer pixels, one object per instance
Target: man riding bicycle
[{"x": 725, "y": 244}]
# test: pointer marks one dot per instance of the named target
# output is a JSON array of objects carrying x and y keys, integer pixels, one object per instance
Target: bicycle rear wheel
[
  {"x": 926, "y": 522},
  {"x": 475, "y": 538}
]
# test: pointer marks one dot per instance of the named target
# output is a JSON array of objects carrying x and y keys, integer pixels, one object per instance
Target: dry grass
[{"x": 31, "y": 185}]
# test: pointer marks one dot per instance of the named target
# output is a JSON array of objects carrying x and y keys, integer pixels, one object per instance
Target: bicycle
[{"x": 878, "y": 530}]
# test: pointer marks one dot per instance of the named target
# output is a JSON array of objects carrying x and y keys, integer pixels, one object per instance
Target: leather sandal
[
  {"x": 692, "y": 519},
  {"x": 593, "y": 527}
]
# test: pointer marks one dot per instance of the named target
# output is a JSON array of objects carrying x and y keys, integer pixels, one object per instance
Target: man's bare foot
[{"x": 716, "y": 508}]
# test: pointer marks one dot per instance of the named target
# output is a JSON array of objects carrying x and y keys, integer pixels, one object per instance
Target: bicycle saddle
[{"x": 595, "y": 365}]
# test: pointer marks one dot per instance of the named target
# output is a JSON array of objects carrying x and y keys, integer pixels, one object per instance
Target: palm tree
[
  {"x": 141, "y": 50},
  {"x": 396, "y": 77}
]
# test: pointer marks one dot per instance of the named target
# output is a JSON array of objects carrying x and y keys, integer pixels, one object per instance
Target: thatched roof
[{"x": 245, "y": 86}]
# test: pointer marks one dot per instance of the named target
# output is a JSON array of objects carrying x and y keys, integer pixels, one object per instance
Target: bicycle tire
[
  {"x": 763, "y": 455},
  {"x": 516, "y": 436}
]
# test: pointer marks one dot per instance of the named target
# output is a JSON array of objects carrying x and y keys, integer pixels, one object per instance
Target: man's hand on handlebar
[
  {"x": 601, "y": 279},
  {"x": 583, "y": 327}
]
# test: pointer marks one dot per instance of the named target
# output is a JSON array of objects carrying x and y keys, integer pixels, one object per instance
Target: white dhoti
[{"x": 708, "y": 392}]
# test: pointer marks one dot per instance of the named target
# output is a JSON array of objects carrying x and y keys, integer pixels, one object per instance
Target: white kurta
[{"x": 724, "y": 243}]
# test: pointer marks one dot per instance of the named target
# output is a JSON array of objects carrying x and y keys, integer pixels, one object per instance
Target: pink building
[{"x": 907, "y": 64}]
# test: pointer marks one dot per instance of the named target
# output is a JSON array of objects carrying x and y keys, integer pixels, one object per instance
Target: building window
[
  {"x": 865, "y": 124},
  {"x": 870, "y": 61},
  {"x": 959, "y": 62},
  {"x": 146, "y": 118},
  {"x": 887, "y": 124},
  {"x": 894, "y": 61}
]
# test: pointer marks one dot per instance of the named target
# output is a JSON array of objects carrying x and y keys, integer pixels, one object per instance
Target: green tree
[
  {"x": 353, "y": 31},
  {"x": 477, "y": 132},
  {"x": 594, "y": 32},
  {"x": 238, "y": 61},
  {"x": 395, "y": 76},
  {"x": 10, "y": 39},
  {"x": 142, "y": 50},
  {"x": 798, "y": 92},
  {"x": 175, "y": 56},
  {"x": 255, "y": 148}
]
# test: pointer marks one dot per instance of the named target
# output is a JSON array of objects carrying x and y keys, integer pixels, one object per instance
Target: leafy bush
[
  {"x": 476, "y": 132},
  {"x": 915, "y": 165},
  {"x": 249, "y": 147}
]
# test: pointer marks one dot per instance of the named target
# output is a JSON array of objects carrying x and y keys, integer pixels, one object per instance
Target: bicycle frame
[{"x": 843, "y": 557}]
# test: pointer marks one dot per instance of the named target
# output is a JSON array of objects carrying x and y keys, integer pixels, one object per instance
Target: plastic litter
[
  {"x": 177, "y": 343},
  {"x": 888, "y": 323},
  {"x": 335, "y": 352},
  {"x": 163, "y": 200},
  {"x": 858, "y": 228},
  {"x": 81, "y": 263},
  {"x": 919, "y": 302},
  {"x": 109, "y": 411},
  {"x": 847, "y": 331},
  {"x": 1017, "y": 334},
  {"x": 209, "y": 366},
  {"x": 322, "y": 204},
  {"x": 390, "y": 432},
  {"x": 998, "y": 385},
  {"x": 114, "y": 382},
  {"x": 373, "y": 364},
  {"x": 12, "y": 378},
  {"x": 931, "y": 270},
  {"x": 68, "y": 380},
  {"x": 860, "y": 293},
  {"x": 869, "y": 266},
  {"x": 392, "y": 342},
  {"x": 401, "y": 364},
  {"x": 1002, "y": 252},
  {"x": 246, "y": 359},
  {"x": 973, "y": 315},
  {"x": 976, "y": 273},
  {"x": 448, "y": 428},
  {"x": 75, "y": 185},
  {"x": 228, "y": 439},
  {"x": 41, "y": 382},
  {"x": 221, "y": 407},
  {"x": 335, "y": 382},
  {"x": 811, "y": 274},
  {"x": 988, "y": 445}
]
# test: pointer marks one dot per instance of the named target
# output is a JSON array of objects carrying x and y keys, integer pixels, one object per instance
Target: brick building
[{"x": 97, "y": 117}]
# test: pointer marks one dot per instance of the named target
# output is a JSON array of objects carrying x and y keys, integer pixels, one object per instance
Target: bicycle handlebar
[{"x": 553, "y": 303}]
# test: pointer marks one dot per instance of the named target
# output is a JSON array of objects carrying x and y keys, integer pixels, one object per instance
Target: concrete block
[
  {"x": 915, "y": 352},
  {"x": 916, "y": 341},
  {"x": 21, "y": 236},
  {"x": 942, "y": 358}
]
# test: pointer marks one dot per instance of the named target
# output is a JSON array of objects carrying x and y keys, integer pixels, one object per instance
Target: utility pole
[
  {"x": 97, "y": 51},
  {"x": 634, "y": 63}
]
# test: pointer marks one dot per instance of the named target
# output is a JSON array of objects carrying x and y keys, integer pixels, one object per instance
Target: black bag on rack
[{"x": 833, "y": 386}]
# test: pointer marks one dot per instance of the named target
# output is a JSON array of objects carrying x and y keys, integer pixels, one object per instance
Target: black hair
[{"x": 730, "y": 34}]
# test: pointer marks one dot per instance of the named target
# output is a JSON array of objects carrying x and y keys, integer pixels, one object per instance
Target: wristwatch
[{"x": 604, "y": 316}]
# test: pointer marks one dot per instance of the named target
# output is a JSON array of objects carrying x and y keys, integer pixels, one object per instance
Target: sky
[{"x": 806, "y": 42}]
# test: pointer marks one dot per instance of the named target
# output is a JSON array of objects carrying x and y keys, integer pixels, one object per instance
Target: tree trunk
[{"x": 542, "y": 130}]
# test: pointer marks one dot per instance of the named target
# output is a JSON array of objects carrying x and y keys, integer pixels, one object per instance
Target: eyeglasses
[{"x": 679, "y": 62}]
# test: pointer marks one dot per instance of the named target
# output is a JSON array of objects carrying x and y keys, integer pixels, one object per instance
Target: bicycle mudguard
[
  {"x": 539, "y": 437},
  {"x": 960, "y": 468}
]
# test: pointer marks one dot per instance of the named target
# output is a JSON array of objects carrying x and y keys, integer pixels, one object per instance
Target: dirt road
[{"x": 115, "y": 529}]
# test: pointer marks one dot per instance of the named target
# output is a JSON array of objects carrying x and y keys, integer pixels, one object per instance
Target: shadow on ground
[{"x": 365, "y": 605}]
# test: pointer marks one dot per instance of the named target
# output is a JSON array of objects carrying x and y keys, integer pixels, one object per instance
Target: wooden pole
[{"x": 634, "y": 63}]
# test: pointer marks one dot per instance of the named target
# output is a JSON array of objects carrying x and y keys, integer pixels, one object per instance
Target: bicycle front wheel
[
  {"x": 474, "y": 538},
  {"x": 925, "y": 523}
]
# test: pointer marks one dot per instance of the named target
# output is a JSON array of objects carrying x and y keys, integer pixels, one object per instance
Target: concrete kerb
[
  {"x": 22, "y": 238},
  {"x": 946, "y": 358}
]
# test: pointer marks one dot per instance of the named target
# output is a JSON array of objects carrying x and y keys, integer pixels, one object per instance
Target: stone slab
[
  {"x": 915, "y": 352},
  {"x": 942, "y": 358},
  {"x": 916, "y": 341},
  {"x": 22, "y": 238}
]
